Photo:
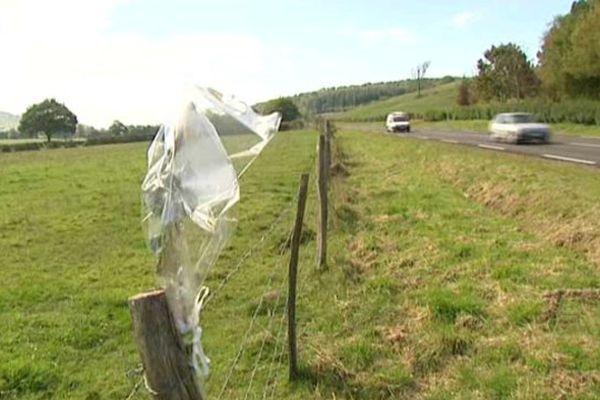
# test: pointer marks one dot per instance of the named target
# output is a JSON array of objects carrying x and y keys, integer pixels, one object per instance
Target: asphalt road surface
[{"x": 580, "y": 150}]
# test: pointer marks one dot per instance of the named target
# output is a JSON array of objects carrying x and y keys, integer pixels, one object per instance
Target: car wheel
[{"x": 408, "y": 130}]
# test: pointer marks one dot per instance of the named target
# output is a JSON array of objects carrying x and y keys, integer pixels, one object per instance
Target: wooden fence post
[
  {"x": 328, "y": 135},
  {"x": 293, "y": 272},
  {"x": 323, "y": 211},
  {"x": 167, "y": 370}
]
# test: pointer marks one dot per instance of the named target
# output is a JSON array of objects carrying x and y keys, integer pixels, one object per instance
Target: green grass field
[
  {"x": 439, "y": 262},
  {"x": 437, "y": 97}
]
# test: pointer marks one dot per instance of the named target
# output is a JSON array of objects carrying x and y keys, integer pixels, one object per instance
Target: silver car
[{"x": 518, "y": 128}]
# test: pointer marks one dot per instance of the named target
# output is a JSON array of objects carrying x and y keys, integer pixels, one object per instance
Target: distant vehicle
[
  {"x": 518, "y": 128},
  {"x": 398, "y": 122}
]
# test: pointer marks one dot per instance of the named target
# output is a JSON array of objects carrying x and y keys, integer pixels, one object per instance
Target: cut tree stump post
[
  {"x": 323, "y": 210},
  {"x": 167, "y": 370},
  {"x": 293, "y": 273}
]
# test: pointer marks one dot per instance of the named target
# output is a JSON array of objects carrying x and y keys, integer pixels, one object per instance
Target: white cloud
[
  {"x": 464, "y": 19},
  {"x": 63, "y": 50},
  {"x": 373, "y": 37}
]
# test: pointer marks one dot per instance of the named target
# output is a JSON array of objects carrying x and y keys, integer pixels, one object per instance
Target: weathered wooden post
[
  {"x": 323, "y": 210},
  {"x": 293, "y": 273},
  {"x": 167, "y": 370},
  {"x": 328, "y": 137}
]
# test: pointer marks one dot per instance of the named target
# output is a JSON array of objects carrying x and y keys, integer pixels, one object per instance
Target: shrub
[{"x": 296, "y": 124}]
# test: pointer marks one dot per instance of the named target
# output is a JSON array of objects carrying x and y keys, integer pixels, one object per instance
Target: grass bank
[
  {"x": 564, "y": 129},
  {"x": 451, "y": 267},
  {"x": 476, "y": 126}
]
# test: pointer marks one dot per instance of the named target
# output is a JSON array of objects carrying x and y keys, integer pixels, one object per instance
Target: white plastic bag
[{"x": 191, "y": 183}]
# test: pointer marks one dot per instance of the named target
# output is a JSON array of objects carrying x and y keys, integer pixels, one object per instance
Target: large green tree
[
  {"x": 505, "y": 73},
  {"x": 285, "y": 105},
  {"x": 48, "y": 117},
  {"x": 570, "y": 55}
]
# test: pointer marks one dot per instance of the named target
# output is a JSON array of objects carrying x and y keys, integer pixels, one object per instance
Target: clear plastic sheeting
[{"x": 191, "y": 184}]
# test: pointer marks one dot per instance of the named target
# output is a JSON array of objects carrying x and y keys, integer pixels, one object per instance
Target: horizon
[{"x": 130, "y": 60}]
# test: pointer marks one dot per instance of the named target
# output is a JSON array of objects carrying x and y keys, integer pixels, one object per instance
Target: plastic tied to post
[{"x": 190, "y": 186}]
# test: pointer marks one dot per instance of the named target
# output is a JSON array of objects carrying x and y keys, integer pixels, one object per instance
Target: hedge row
[
  {"x": 24, "y": 146},
  {"x": 586, "y": 112},
  {"x": 577, "y": 112}
]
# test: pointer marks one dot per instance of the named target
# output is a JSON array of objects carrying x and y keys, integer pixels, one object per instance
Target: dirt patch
[
  {"x": 469, "y": 322},
  {"x": 568, "y": 385},
  {"x": 362, "y": 255},
  {"x": 497, "y": 197},
  {"x": 554, "y": 300},
  {"x": 395, "y": 335}
]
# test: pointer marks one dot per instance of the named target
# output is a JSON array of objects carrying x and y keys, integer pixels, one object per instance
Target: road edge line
[
  {"x": 570, "y": 159},
  {"x": 491, "y": 147}
]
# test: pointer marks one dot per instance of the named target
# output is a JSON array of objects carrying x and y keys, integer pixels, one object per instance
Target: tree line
[
  {"x": 50, "y": 118},
  {"x": 568, "y": 65}
]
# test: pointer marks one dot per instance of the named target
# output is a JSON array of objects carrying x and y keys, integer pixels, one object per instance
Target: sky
[{"x": 131, "y": 60}]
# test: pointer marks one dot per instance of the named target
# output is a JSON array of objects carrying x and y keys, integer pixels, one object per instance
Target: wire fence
[{"x": 278, "y": 351}]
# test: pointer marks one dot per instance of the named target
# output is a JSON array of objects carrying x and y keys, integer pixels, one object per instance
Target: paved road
[{"x": 563, "y": 148}]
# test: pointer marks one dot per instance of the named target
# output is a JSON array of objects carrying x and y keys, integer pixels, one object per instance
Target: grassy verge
[
  {"x": 478, "y": 126},
  {"x": 448, "y": 257},
  {"x": 566, "y": 129}
]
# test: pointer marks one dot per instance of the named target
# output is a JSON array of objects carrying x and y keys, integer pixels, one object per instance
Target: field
[
  {"x": 442, "y": 280},
  {"x": 435, "y": 98}
]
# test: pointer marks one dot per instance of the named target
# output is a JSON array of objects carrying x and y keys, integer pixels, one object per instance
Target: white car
[
  {"x": 518, "y": 128},
  {"x": 398, "y": 122}
]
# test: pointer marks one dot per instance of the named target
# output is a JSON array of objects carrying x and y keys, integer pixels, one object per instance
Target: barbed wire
[
  {"x": 243, "y": 343},
  {"x": 278, "y": 339},
  {"x": 264, "y": 340},
  {"x": 250, "y": 251}
]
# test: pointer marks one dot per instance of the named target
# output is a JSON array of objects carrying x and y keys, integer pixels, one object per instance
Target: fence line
[
  {"x": 279, "y": 342},
  {"x": 278, "y": 339},
  {"x": 262, "y": 346},
  {"x": 250, "y": 251}
]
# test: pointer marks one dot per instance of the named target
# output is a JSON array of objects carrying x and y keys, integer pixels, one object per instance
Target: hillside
[
  {"x": 434, "y": 98},
  {"x": 342, "y": 98},
  {"x": 8, "y": 121}
]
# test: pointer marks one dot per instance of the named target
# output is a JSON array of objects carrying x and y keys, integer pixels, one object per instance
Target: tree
[
  {"x": 570, "y": 55},
  {"x": 464, "y": 95},
  {"x": 285, "y": 105},
  {"x": 419, "y": 74},
  {"x": 48, "y": 117},
  {"x": 117, "y": 129},
  {"x": 505, "y": 73}
]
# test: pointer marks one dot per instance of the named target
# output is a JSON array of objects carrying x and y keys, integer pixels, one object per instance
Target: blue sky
[{"x": 129, "y": 59}]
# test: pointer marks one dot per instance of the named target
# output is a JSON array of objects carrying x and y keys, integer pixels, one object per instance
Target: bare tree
[{"x": 418, "y": 73}]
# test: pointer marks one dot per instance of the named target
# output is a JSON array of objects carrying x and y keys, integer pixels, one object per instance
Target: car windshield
[
  {"x": 400, "y": 119},
  {"x": 520, "y": 118}
]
